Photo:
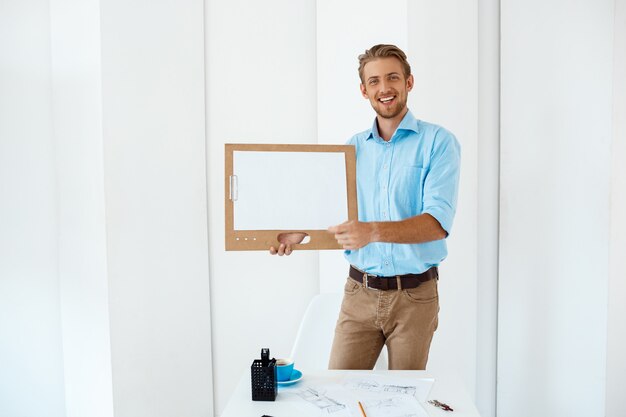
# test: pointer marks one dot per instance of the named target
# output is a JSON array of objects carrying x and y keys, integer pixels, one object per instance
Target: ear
[
  {"x": 409, "y": 82},
  {"x": 363, "y": 91}
]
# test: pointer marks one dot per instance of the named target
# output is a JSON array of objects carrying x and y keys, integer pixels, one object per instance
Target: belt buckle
[{"x": 366, "y": 281}]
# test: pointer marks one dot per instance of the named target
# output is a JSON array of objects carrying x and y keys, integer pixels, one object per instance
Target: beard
[{"x": 390, "y": 112}]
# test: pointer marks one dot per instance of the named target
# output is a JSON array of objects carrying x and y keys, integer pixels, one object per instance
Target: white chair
[{"x": 311, "y": 349}]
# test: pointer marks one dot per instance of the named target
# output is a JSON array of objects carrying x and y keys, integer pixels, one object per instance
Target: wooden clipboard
[{"x": 252, "y": 238}]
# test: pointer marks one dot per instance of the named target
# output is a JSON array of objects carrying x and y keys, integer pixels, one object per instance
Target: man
[{"x": 407, "y": 185}]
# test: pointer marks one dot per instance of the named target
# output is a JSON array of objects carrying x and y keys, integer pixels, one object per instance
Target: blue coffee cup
[{"x": 284, "y": 368}]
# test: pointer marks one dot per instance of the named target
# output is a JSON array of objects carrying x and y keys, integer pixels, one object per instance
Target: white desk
[{"x": 447, "y": 388}]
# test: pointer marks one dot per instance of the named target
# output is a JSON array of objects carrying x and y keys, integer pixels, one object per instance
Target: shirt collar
[{"x": 409, "y": 122}]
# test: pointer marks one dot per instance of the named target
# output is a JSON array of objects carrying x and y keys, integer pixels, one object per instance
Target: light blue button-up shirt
[{"x": 416, "y": 172}]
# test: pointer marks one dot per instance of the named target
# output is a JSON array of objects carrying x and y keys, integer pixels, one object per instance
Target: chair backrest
[{"x": 311, "y": 349}]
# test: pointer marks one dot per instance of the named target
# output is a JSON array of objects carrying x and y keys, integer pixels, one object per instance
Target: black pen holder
[{"x": 264, "y": 386}]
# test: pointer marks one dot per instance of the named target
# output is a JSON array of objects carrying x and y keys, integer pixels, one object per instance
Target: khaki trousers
[{"x": 404, "y": 320}]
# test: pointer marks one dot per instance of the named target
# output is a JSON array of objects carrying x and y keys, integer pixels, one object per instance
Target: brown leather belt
[{"x": 391, "y": 283}]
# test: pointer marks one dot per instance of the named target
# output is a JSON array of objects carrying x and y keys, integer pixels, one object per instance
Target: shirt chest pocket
[{"x": 407, "y": 190}]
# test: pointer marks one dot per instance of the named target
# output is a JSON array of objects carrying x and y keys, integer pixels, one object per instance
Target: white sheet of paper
[
  {"x": 419, "y": 388},
  {"x": 289, "y": 190},
  {"x": 380, "y": 396}
]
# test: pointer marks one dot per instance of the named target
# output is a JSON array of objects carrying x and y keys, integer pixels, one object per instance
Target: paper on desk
[
  {"x": 401, "y": 406},
  {"x": 417, "y": 387},
  {"x": 380, "y": 395}
]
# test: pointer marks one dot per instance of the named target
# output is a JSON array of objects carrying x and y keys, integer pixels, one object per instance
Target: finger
[
  {"x": 273, "y": 250},
  {"x": 343, "y": 238},
  {"x": 350, "y": 241},
  {"x": 281, "y": 249},
  {"x": 340, "y": 228},
  {"x": 288, "y": 250}
]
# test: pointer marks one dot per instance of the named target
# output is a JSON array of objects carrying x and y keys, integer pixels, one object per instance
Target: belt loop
[
  {"x": 399, "y": 281},
  {"x": 365, "y": 280}
]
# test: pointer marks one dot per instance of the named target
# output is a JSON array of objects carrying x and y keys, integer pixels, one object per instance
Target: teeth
[{"x": 386, "y": 99}]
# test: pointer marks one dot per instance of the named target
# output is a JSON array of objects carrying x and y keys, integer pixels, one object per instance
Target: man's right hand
[{"x": 286, "y": 240}]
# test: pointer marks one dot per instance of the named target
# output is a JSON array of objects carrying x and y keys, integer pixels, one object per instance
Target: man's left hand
[{"x": 353, "y": 234}]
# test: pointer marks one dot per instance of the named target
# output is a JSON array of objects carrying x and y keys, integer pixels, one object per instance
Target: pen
[
  {"x": 362, "y": 410},
  {"x": 441, "y": 405}
]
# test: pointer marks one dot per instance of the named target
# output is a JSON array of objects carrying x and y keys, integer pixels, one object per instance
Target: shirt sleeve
[{"x": 441, "y": 184}]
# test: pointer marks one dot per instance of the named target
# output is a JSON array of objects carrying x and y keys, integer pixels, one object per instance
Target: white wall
[
  {"x": 260, "y": 88},
  {"x": 557, "y": 63},
  {"x": 77, "y": 114},
  {"x": 104, "y": 204},
  {"x": 616, "y": 338},
  {"x": 31, "y": 362},
  {"x": 156, "y": 212}
]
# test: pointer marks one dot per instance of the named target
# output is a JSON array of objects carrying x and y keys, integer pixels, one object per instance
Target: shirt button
[
  {"x": 385, "y": 166},
  {"x": 384, "y": 187},
  {"x": 386, "y": 262}
]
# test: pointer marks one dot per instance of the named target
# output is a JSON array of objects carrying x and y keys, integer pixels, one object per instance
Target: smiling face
[{"x": 386, "y": 87}]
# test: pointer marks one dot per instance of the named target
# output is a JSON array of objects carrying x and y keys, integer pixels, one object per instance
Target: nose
[{"x": 384, "y": 86}]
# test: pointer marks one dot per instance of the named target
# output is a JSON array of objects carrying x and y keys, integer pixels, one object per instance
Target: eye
[
  {"x": 394, "y": 77},
  {"x": 373, "y": 81}
]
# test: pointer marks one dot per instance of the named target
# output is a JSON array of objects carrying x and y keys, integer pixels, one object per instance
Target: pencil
[{"x": 362, "y": 410}]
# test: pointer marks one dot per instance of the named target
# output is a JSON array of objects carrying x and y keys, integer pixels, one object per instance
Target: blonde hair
[{"x": 384, "y": 51}]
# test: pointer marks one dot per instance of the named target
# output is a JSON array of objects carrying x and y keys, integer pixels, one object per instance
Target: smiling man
[{"x": 407, "y": 185}]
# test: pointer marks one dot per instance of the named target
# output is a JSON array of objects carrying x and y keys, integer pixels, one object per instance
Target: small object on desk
[
  {"x": 263, "y": 375},
  {"x": 265, "y": 356},
  {"x": 441, "y": 405},
  {"x": 284, "y": 368},
  {"x": 362, "y": 410}
]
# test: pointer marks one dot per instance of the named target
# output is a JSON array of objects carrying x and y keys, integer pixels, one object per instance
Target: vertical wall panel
[
  {"x": 616, "y": 338},
  {"x": 77, "y": 111},
  {"x": 31, "y": 355},
  {"x": 156, "y": 215},
  {"x": 556, "y": 129},
  {"x": 488, "y": 204}
]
